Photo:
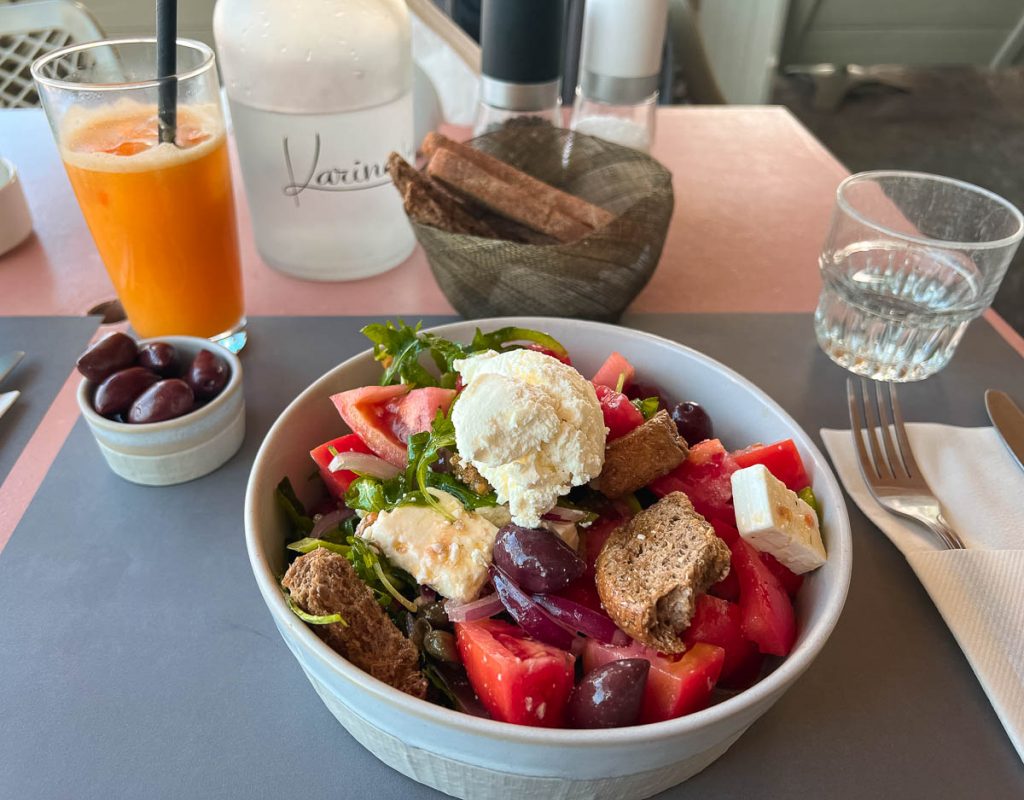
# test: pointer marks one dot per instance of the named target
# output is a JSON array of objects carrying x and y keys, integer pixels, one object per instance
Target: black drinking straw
[{"x": 166, "y": 67}]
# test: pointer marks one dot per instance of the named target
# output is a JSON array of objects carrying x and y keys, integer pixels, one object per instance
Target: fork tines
[{"x": 890, "y": 458}]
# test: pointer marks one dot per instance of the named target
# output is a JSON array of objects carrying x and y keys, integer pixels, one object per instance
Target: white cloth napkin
[{"x": 979, "y": 591}]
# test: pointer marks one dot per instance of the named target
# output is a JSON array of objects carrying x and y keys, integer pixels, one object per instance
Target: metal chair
[{"x": 30, "y": 30}]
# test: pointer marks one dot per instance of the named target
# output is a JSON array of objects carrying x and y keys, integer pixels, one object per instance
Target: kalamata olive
[
  {"x": 207, "y": 375},
  {"x": 164, "y": 400},
  {"x": 110, "y": 354},
  {"x": 117, "y": 393},
  {"x": 692, "y": 422},
  {"x": 609, "y": 696},
  {"x": 435, "y": 614},
  {"x": 441, "y": 645},
  {"x": 537, "y": 560},
  {"x": 160, "y": 357}
]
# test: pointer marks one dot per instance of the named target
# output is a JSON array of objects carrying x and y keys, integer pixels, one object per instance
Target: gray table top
[
  {"x": 137, "y": 658},
  {"x": 51, "y": 346}
]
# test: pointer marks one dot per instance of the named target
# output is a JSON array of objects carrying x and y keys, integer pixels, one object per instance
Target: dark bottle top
[{"x": 521, "y": 40}]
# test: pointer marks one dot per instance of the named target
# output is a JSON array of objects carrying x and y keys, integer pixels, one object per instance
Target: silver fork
[{"x": 890, "y": 470}]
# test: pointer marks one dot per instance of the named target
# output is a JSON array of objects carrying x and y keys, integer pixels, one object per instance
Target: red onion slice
[
  {"x": 329, "y": 522},
  {"x": 477, "y": 609},
  {"x": 364, "y": 464},
  {"x": 531, "y": 617},
  {"x": 580, "y": 618},
  {"x": 566, "y": 514}
]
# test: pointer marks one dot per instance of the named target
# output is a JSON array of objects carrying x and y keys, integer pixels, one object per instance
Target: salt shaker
[
  {"x": 320, "y": 93},
  {"x": 619, "y": 68},
  {"x": 521, "y": 43}
]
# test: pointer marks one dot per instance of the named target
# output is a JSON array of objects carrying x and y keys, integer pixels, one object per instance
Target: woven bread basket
[{"x": 593, "y": 278}]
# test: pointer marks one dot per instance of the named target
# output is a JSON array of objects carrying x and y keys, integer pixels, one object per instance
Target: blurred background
[{"x": 932, "y": 85}]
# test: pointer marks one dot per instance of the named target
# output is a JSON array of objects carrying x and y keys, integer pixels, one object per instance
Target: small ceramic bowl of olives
[{"x": 163, "y": 411}]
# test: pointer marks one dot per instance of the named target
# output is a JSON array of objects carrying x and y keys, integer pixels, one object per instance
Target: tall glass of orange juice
[{"x": 162, "y": 214}]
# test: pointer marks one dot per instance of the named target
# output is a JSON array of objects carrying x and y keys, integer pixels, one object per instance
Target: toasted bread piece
[
  {"x": 590, "y": 215},
  {"x": 322, "y": 582},
  {"x": 645, "y": 453},
  {"x": 652, "y": 569},
  {"x": 429, "y": 203}
]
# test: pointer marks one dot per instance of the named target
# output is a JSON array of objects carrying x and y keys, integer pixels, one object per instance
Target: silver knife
[
  {"x": 1008, "y": 421},
  {"x": 9, "y": 362},
  {"x": 7, "y": 400}
]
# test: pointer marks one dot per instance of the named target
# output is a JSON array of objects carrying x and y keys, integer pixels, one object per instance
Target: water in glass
[{"x": 895, "y": 311}]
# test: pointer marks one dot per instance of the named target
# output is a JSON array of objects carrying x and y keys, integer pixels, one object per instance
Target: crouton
[
  {"x": 645, "y": 453},
  {"x": 321, "y": 583},
  {"x": 651, "y": 570}
]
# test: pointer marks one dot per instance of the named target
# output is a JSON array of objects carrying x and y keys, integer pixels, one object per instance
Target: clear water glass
[{"x": 909, "y": 261}]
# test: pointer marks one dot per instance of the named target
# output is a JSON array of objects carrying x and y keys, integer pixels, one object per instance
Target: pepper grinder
[
  {"x": 619, "y": 68},
  {"x": 521, "y": 43}
]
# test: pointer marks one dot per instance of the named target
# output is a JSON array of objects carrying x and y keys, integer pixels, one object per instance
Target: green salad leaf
[
  {"x": 308, "y": 545},
  {"x": 647, "y": 407},
  {"x": 398, "y": 347},
  {"x": 312, "y": 619},
  {"x": 369, "y": 494},
  {"x": 299, "y": 520},
  {"x": 496, "y": 340},
  {"x": 385, "y": 579}
]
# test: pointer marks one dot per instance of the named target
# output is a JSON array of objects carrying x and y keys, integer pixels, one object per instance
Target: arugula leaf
[
  {"x": 495, "y": 340},
  {"x": 427, "y": 451},
  {"x": 312, "y": 619},
  {"x": 286, "y": 498},
  {"x": 647, "y": 407},
  {"x": 308, "y": 545},
  {"x": 469, "y": 499},
  {"x": 444, "y": 353},
  {"x": 374, "y": 569},
  {"x": 398, "y": 347}
]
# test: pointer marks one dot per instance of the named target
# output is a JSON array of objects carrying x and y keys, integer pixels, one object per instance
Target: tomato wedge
[
  {"x": 767, "y": 613},
  {"x": 620, "y": 415},
  {"x": 675, "y": 686},
  {"x": 337, "y": 483},
  {"x": 706, "y": 478},
  {"x": 782, "y": 460},
  {"x": 790, "y": 581},
  {"x": 614, "y": 366},
  {"x": 518, "y": 679},
  {"x": 718, "y": 622}
]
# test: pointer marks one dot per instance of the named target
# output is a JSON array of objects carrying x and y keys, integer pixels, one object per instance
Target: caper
[
  {"x": 420, "y": 630},
  {"x": 441, "y": 645},
  {"x": 435, "y": 614}
]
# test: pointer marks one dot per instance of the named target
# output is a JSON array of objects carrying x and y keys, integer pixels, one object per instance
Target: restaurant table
[{"x": 137, "y": 658}]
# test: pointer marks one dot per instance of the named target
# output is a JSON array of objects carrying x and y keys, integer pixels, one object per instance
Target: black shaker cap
[{"x": 522, "y": 40}]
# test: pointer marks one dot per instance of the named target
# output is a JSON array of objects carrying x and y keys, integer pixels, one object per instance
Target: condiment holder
[{"x": 175, "y": 450}]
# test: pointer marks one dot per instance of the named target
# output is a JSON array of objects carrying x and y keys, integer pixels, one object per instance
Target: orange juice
[{"x": 162, "y": 215}]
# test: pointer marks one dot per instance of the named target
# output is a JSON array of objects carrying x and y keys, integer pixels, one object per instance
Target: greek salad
[{"x": 506, "y": 536}]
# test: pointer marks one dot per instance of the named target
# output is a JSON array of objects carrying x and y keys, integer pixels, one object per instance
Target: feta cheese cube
[{"x": 774, "y": 520}]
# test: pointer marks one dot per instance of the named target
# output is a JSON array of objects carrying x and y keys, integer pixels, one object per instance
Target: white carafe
[{"x": 320, "y": 93}]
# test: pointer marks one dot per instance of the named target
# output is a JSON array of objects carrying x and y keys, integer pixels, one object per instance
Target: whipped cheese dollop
[{"x": 531, "y": 425}]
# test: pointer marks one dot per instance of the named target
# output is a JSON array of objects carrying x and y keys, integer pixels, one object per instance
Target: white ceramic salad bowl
[{"x": 469, "y": 757}]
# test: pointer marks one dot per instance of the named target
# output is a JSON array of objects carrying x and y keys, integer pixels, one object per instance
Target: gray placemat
[
  {"x": 51, "y": 346},
  {"x": 137, "y": 658}
]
